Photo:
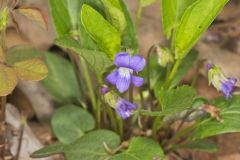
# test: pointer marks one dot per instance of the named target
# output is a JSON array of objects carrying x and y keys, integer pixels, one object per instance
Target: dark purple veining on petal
[
  {"x": 123, "y": 76},
  {"x": 125, "y": 108}
]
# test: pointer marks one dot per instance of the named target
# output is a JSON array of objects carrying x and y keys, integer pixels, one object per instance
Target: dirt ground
[{"x": 220, "y": 45}]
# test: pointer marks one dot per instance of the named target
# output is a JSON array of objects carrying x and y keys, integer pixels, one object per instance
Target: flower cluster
[
  {"x": 123, "y": 76},
  {"x": 222, "y": 83}
]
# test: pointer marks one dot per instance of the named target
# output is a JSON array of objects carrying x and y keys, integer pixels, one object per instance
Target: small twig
[{"x": 23, "y": 121}]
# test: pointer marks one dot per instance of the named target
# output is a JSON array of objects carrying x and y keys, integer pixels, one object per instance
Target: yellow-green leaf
[
  {"x": 106, "y": 36},
  {"x": 115, "y": 16},
  {"x": 8, "y": 80},
  {"x": 194, "y": 22},
  {"x": 35, "y": 15},
  {"x": 32, "y": 69}
]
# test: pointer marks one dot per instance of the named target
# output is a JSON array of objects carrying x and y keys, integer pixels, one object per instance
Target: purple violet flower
[
  {"x": 125, "y": 108},
  {"x": 227, "y": 87},
  {"x": 123, "y": 76},
  {"x": 217, "y": 78}
]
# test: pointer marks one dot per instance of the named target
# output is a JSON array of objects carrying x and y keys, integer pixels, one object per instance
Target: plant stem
[
  {"x": 23, "y": 121},
  {"x": 120, "y": 126},
  {"x": 89, "y": 85},
  {"x": 172, "y": 74},
  {"x": 2, "y": 127},
  {"x": 139, "y": 14},
  {"x": 150, "y": 51}
]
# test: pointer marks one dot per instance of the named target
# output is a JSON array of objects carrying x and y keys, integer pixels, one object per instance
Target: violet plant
[{"x": 106, "y": 90}]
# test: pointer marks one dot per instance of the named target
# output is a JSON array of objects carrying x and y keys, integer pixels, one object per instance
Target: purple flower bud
[
  {"x": 217, "y": 78},
  {"x": 227, "y": 87},
  {"x": 123, "y": 76},
  {"x": 104, "y": 90},
  {"x": 125, "y": 108},
  {"x": 209, "y": 66}
]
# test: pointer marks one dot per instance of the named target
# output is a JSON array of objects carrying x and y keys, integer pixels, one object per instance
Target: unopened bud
[{"x": 164, "y": 56}]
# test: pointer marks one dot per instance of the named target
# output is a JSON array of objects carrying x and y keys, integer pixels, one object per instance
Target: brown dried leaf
[
  {"x": 2, "y": 55},
  {"x": 8, "y": 80},
  {"x": 36, "y": 15},
  {"x": 31, "y": 69},
  {"x": 213, "y": 111}
]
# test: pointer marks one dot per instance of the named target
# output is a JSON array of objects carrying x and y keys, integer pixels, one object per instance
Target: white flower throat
[{"x": 125, "y": 72}]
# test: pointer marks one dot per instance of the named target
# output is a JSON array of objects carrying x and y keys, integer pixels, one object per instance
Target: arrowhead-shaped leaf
[
  {"x": 8, "y": 80},
  {"x": 194, "y": 22},
  {"x": 97, "y": 60},
  {"x": 115, "y": 15},
  {"x": 105, "y": 35},
  {"x": 229, "y": 113}
]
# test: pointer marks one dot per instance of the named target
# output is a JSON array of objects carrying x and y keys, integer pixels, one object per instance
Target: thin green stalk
[
  {"x": 120, "y": 126},
  {"x": 112, "y": 117},
  {"x": 77, "y": 73},
  {"x": 98, "y": 114},
  {"x": 139, "y": 14},
  {"x": 89, "y": 84},
  {"x": 173, "y": 72}
]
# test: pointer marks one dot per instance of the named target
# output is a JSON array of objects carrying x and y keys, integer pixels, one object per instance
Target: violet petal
[
  {"x": 137, "y": 63},
  {"x": 112, "y": 77},
  {"x": 122, "y": 59},
  {"x": 123, "y": 83},
  {"x": 137, "y": 81}
]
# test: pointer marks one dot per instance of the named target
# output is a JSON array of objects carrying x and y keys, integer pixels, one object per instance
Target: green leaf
[
  {"x": 141, "y": 148},
  {"x": 91, "y": 146},
  {"x": 21, "y": 53},
  {"x": 8, "y": 80},
  {"x": 48, "y": 150},
  {"x": 106, "y": 36},
  {"x": 145, "y": 3},
  {"x": 229, "y": 112},
  {"x": 60, "y": 16},
  {"x": 195, "y": 21},
  {"x": 97, "y": 60},
  {"x": 115, "y": 15},
  {"x": 186, "y": 64},
  {"x": 204, "y": 145},
  {"x": 172, "y": 11},
  {"x": 61, "y": 81},
  {"x": 129, "y": 36},
  {"x": 176, "y": 100},
  {"x": 32, "y": 69},
  {"x": 70, "y": 122}
]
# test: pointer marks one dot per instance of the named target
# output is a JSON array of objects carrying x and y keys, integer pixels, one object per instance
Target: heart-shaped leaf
[
  {"x": 8, "y": 80},
  {"x": 141, "y": 148},
  {"x": 91, "y": 146},
  {"x": 70, "y": 122},
  {"x": 61, "y": 81}
]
